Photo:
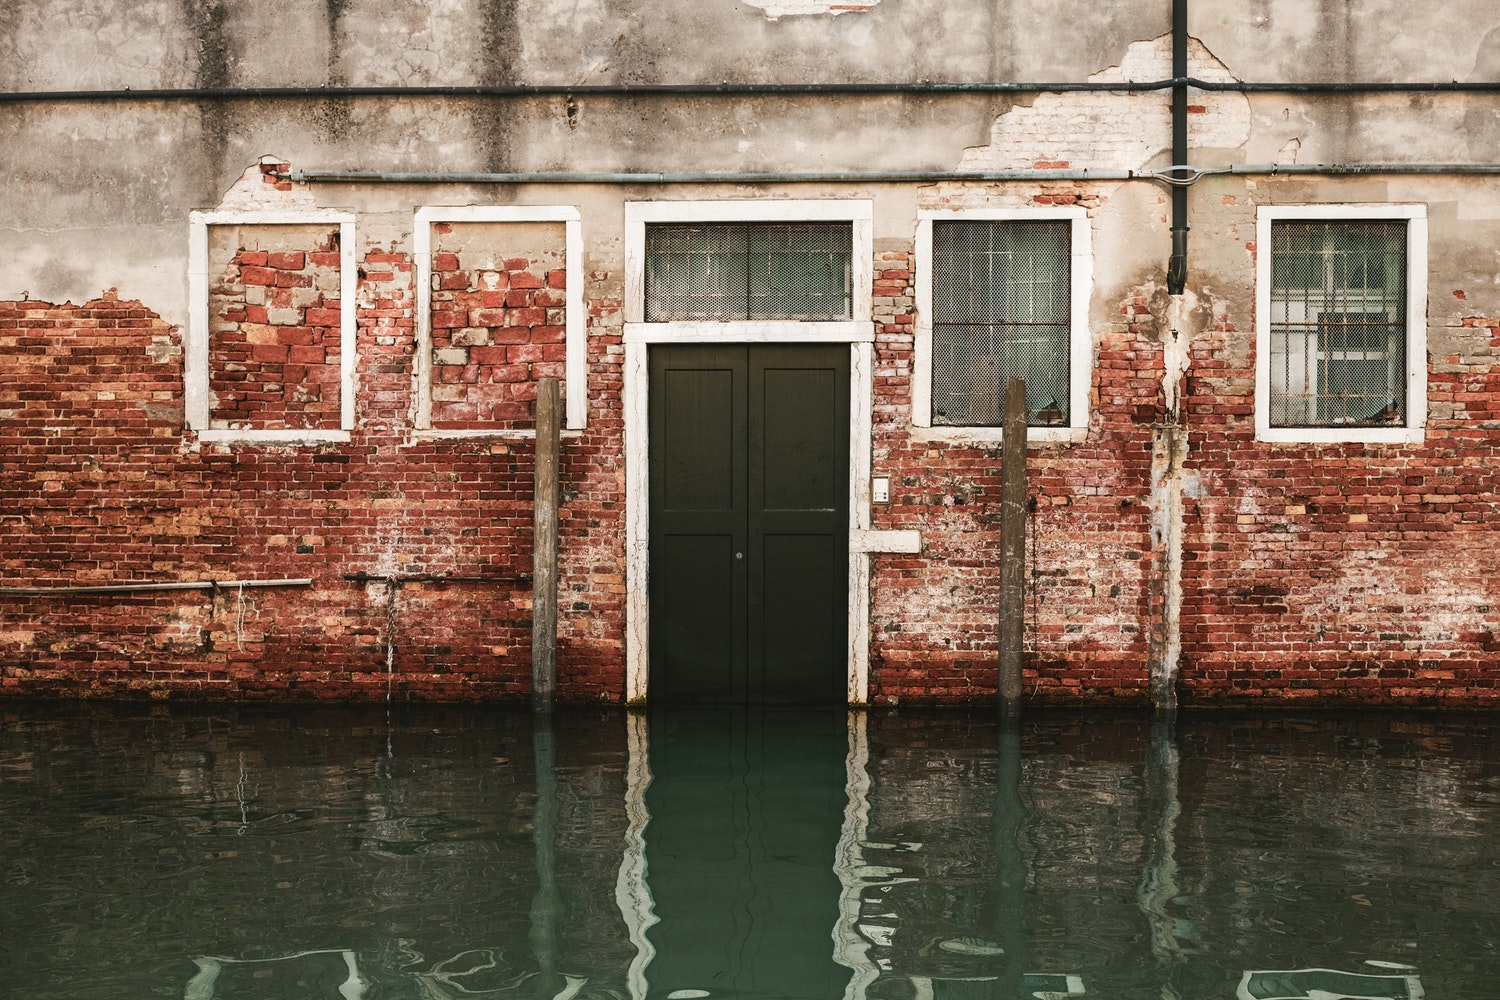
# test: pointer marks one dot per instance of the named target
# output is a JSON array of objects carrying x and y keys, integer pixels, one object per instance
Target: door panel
[
  {"x": 803, "y": 440},
  {"x": 698, "y": 437},
  {"x": 805, "y": 622},
  {"x": 749, "y": 522},
  {"x": 699, "y": 583},
  {"x": 698, "y": 521}
]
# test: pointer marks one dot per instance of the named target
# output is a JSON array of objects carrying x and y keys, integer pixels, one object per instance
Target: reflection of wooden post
[
  {"x": 1010, "y": 818},
  {"x": 546, "y": 905},
  {"x": 544, "y": 549},
  {"x": 1012, "y": 546}
]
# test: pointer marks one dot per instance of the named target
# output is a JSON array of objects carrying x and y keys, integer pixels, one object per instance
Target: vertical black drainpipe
[
  {"x": 1169, "y": 444},
  {"x": 1177, "y": 266}
]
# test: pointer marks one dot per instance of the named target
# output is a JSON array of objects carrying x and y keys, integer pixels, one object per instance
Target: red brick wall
[
  {"x": 1344, "y": 573},
  {"x": 496, "y": 330},
  {"x": 1335, "y": 573},
  {"x": 99, "y": 484}
]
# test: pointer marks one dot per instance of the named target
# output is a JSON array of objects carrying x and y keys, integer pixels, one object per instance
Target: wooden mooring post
[
  {"x": 1012, "y": 547},
  {"x": 544, "y": 548}
]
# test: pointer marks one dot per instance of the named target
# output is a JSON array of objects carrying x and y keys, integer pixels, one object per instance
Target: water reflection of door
[{"x": 745, "y": 808}]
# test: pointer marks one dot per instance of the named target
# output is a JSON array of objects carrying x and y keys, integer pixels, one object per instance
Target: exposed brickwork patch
[
  {"x": 274, "y": 331},
  {"x": 496, "y": 331}
]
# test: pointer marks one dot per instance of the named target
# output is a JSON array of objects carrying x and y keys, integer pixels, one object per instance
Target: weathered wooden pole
[
  {"x": 1012, "y": 546},
  {"x": 544, "y": 548}
]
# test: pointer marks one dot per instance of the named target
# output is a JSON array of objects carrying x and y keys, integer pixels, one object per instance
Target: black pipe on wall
[{"x": 1178, "y": 263}]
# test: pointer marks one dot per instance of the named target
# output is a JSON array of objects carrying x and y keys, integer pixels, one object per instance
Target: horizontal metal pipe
[
  {"x": 431, "y": 578},
  {"x": 120, "y": 588},
  {"x": 919, "y": 87},
  {"x": 1175, "y": 175},
  {"x": 726, "y": 89},
  {"x": 727, "y": 177},
  {"x": 1357, "y": 168},
  {"x": 1369, "y": 87}
]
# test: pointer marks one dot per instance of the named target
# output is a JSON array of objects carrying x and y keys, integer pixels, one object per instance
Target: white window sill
[
  {"x": 276, "y": 437},
  {"x": 1341, "y": 435},
  {"x": 995, "y": 435}
]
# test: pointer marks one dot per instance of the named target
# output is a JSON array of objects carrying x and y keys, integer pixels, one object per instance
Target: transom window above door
[{"x": 747, "y": 271}]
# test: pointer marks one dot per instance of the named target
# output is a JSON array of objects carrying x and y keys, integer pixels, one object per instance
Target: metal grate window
[
  {"x": 749, "y": 271},
  {"x": 1338, "y": 324},
  {"x": 1001, "y": 294}
]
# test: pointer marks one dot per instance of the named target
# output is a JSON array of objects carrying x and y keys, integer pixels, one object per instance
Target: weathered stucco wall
[{"x": 1166, "y": 539}]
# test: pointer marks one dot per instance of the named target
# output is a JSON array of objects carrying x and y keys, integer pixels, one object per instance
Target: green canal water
[{"x": 365, "y": 853}]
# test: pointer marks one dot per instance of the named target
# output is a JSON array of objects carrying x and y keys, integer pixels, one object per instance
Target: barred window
[
  {"x": 749, "y": 271},
  {"x": 1338, "y": 324},
  {"x": 1001, "y": 294}
]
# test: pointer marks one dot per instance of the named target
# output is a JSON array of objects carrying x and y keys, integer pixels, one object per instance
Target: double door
[{"x": 749, "y": 486}]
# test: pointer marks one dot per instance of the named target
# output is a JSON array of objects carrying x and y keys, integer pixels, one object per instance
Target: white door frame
[{"x": 859, "y": 334}]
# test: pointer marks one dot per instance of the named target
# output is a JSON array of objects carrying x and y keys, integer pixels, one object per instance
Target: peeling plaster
[
  {"x": 1168, "y": 455},
  {"x": 1116, "y": 130},
  {"x": 254, "y": 191},
  {"x": 776, "y": 9}
]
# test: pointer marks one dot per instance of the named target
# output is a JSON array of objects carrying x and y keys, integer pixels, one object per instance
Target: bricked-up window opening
[
  {"x": 1001, "y": 293},
  {"x": 749, "y": 271},
  {"x": 274, "y": 346},
  {"x": 1338, "y": 324},
  {"x": 498, "y": 322}
]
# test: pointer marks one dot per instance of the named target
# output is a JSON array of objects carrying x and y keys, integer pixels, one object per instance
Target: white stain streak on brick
[{"x": 1116, "y": 130}]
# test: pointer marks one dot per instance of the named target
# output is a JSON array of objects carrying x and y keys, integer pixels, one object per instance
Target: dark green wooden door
[{"x": 749, "y": 522}]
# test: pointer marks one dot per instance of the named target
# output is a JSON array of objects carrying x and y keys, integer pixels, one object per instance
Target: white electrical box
[{"x": 880, "y": 489}]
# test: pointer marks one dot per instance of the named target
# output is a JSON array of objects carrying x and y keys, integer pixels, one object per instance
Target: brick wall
[
  {"x": 1343, "y": 573},
  {"x": 1327, "y": 573},
  {"x": 1088, "y": 603},
  {"x": 419, "y": 551}
]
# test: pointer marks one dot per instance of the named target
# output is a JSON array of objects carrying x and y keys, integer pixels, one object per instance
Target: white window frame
[
  {"x": 858, "y": 328},
  {"x": 576, "y": 364},
  {"x": 1080, "y": 342},
  {"x": 1414, "y": 431},
  {"x": 197, "y": 406}
]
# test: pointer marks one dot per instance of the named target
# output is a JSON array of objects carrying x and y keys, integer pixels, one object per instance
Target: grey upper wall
[
  {"x": 68, "y": 44},
  {"x": 1351, "y": 40},
  {"x": 74, "y": 44},
  {"x": 98, "y": 193}
]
